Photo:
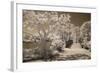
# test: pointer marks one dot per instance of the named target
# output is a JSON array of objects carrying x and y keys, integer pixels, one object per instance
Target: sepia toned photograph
[{"x": 55, "y": 36}]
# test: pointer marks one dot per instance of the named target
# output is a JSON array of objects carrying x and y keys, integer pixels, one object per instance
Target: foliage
[{"x": 85, "y": 35}]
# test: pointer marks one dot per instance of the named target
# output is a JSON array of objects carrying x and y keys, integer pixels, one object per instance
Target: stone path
[{"x": 75, "y": 45}]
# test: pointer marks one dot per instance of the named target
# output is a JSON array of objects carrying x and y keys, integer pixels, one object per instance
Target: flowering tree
[
  {"x": 52, "y": 28},
  {"x": 85, "y": 34}
]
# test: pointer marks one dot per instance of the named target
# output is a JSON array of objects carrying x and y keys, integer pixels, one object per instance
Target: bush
[{"x": 43, "y": 50}]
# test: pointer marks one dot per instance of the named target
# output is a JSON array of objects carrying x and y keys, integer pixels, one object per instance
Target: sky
[{"x": 79, "y": 18}]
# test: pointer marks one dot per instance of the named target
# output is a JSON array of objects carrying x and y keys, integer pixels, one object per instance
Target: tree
[
  {"x": 76, "y": 33},
  {"x": 85, "y": 35},
  {"x": 45, "y": 25}
]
